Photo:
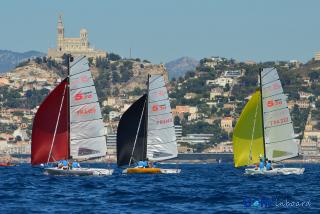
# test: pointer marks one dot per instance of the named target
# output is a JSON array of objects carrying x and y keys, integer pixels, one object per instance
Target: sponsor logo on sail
[
  {"x": 81, "y": 79},
  {"x": 156, "y": 107},
  {"x": 85, "y": 111},
  {"x": 274, "y": 103},
  {"x": 81, "y": 96},
  {"x": 273, "y": 87},
  {"x": 164, "y": 121},
  {"x": 160, "y": 93},
  {"x": 279, "y": 121}
]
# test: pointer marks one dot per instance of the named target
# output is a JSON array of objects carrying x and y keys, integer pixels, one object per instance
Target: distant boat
[
  {"x": 68, "y": 124},
  {"x": 7, "y": 162},
  {"x": 146, "y": 130},
  {"x": 265, "y": 129}
]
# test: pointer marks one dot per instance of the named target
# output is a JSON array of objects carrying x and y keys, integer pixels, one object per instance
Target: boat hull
[
  {"x": 78, "y": 171},
  {"x": 150, "y": 171},
  {"x": 275, "y": 171},
  {"x": 7, "y": 164}
]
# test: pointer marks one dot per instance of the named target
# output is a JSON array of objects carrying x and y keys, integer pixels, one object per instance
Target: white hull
[
  {"x": 78, "y": 171},
  {"x": 170, "y": 171},
  {"x": 275, "y": 171}
]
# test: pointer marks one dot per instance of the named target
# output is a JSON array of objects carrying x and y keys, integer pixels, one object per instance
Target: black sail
[{"x": 127, "y": 131}]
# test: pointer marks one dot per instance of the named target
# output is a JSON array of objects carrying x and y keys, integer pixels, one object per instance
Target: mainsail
[
  {"x": 247, "y": 135},
  {"x": 161, "y": 139},
  {"x": 87, "y": 132},
  {"x": 278, "y": 128},
  {"x": 68, "y": 124},
  {"x": 265, "y": 126}
]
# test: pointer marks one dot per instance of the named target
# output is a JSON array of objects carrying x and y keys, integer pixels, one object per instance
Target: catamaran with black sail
[
  {"x": 146, "y": 131},
  {"x": 68, "y": 124},
  {"x": 264, "y": 129}
]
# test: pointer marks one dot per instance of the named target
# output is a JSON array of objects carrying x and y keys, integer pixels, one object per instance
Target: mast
[
  {"x": 261, "y": 102},
  {"x": 70, "y": 59},
  {"x": 147, "y": 110}
]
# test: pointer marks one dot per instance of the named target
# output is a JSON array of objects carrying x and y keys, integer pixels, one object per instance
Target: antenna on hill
[{"x": 130, "y": 53}]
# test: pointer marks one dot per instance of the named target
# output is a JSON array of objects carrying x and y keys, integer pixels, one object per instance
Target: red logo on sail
[
  {"x": 81, "y": 96},
  {"x": 275, "y": 86},
  {"x": 279, "y": 121},
  {"x": 84, "y": 111},
  {"x": 82, "y": 79},
  {"x": 158, "y": 93},
  {"x": 164, "y": 121},
  {"x": 272, "y": 103},
  {"x": 156, "y": 107}
]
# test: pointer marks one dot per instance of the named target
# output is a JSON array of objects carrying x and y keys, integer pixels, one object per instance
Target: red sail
[{"x": 45, "y": 124}]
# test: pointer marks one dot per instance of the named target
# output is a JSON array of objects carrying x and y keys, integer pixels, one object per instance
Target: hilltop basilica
[{"x": 75, "y": 46}]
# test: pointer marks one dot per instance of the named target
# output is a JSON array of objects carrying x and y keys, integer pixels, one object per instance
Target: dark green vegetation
[{"x": 12, "y": 98}]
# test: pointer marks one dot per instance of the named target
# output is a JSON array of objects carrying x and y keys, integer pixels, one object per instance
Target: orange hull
[
  {"x": 7, "y": 164},
  {"x": 143, "y": 170}
]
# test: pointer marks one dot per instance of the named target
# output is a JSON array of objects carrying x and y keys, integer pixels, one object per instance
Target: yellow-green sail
[{"x": 247, "y": 135}]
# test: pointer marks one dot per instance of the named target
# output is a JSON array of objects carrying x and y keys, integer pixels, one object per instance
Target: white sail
[
  {"x": 87, "y": 135},
  {"x": 278, "y": 128},
  {"x": 161, "y": 143}
]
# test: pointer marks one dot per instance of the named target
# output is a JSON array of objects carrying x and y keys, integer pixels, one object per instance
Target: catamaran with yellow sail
[{"x": 265, "y": 129}]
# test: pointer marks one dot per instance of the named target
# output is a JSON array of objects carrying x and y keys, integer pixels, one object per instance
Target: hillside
[
  {"x": 179, "y": 67},
  {"x": 9, "y": 59}
]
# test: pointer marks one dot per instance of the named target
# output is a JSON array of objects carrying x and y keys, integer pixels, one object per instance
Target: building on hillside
[
  {"x": 304, "y": 95},
  {"x": 310, "y": 144},
  {"x": 216, "y": 92},
  {"x": 111, "y": 144},
  {"x": 114, "y": 115},
  {"x": 226, "y": 124},
  {"x": 317, "y": 56},
  {"x": 303, "y": 103},
  {"x": 233, "y": 74},
  {"x": 193, "y": 139},
  {"x": 21, "y": 133},
  {"x": 75, "y": 46},
  {"x": 178, "y": 131},
  {"x": 223, "y": 147},
  {"x": 189, "y": 96},
  {"x": 221, "y": 81}
]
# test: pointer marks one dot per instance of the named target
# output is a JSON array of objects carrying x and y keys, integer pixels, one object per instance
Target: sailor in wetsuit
[
  {"x": 63, "y": 164},
  {"x": 142, "y": 164},
  {"x": 75, "y": 164},
  {"x": 268, "y": 165},
  {"x": 261, "y": 164}
]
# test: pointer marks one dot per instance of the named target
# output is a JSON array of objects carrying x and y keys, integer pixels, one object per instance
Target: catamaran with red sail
[{"x": 68, "y": 124}]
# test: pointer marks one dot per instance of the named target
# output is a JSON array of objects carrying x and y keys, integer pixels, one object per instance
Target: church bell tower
[{"x": 60, "y": 35}]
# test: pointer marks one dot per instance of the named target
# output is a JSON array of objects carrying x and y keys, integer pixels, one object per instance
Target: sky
[{"x": 164, "y": 30}]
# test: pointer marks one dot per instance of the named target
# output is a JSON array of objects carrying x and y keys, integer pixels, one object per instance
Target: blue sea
[{"x": 199, "y": 188}]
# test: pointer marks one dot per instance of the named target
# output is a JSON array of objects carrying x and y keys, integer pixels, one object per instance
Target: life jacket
[
  {"x": 261, "y": 165},
  {"x": 268, "y": 166}
]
